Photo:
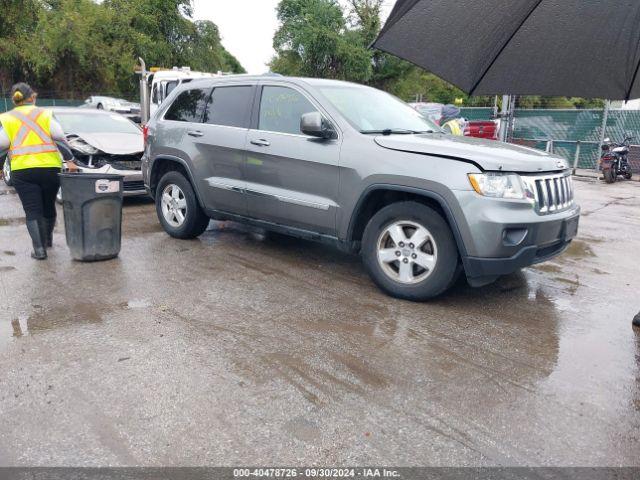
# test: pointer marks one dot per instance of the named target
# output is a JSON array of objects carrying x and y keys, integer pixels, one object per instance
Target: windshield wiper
[{"x": 395, "y": 131}]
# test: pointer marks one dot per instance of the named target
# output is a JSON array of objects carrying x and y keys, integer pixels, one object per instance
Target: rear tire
[
  {"x": 177, "y": 207},
  {"x": 409, "y": 251},
  {"x": 609, "y": 176}
]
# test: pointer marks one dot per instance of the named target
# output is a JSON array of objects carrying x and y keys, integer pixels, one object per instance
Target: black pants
[{"x": 37, "y": 189}]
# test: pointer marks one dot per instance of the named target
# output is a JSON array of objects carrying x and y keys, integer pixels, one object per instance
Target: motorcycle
[{"x": 614, "y": 160}]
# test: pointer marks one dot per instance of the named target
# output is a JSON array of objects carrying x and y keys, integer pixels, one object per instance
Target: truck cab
[
  {"x": 163, "y": 82},
  {"x": 156, "y": 84}
]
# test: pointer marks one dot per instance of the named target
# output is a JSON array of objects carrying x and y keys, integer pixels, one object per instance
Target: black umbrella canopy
[{"x": 582, "y": 48}]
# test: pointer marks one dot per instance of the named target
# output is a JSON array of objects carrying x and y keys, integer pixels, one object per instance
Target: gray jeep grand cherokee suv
[{"x": 356, "y": 167}]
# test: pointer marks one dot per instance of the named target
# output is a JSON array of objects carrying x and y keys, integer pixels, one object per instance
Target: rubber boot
[
  {"x": 42, "y": 225},
  {"x": 39, "y": 250},
  {"x": 50, "y": 225}
]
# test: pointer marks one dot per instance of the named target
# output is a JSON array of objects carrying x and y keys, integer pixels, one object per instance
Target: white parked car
[{"x": 117, "y": 105}]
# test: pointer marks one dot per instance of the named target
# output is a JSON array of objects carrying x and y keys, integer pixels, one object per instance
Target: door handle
[
  {"x": 195, "y": 133},
  {"x": 261, "y": 142}
]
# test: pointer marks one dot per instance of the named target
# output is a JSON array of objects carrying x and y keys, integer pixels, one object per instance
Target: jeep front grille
[{"x": 553, "y": 193}]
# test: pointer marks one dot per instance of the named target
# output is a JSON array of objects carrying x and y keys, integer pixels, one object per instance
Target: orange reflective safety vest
[{"x": 29, "y": 131}]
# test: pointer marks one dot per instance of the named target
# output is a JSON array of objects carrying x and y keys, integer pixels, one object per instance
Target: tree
[
  {"x": 16, "y": 29},
  {"x": 83, "y": 46},
  {"x": 313, "y": 40}
]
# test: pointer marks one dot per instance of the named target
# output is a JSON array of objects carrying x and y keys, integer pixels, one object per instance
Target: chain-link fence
[{"x": 575, "y": 134}]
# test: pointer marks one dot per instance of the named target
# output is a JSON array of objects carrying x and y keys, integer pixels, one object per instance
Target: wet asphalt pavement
[{"x": 240, "y": 348}]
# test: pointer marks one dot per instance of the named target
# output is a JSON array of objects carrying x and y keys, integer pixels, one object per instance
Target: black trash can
[{"x": 92, "y": 205}]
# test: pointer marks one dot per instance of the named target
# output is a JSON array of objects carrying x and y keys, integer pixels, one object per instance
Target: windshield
[
  {"x": 95, "y": 123},
  {"x": 371, "y": 110}
]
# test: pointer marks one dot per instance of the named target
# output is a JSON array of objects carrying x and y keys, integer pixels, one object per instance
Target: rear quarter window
[{"x": 188, "y": 106}]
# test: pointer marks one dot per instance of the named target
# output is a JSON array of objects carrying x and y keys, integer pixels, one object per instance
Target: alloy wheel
[
  {"x": 407, "y": 252},
  {"x": 174, "y": 205}
]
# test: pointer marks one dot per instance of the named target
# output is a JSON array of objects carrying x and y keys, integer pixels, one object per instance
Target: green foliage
[
  {"x": 82, "y": 46},
  {"x": 313, "y": 41},
  {"x": 559, "y": 102}
]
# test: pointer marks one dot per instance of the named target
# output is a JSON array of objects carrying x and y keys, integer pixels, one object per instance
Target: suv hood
[{"x": 489, "y": 154}]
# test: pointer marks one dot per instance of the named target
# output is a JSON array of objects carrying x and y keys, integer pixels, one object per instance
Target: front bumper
[
  {"x": 485, "y": 270},
  {"x": 508, "y": 236}
]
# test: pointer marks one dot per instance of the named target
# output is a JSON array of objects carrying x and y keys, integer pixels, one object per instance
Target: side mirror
[{"x": 315, "y": 125}]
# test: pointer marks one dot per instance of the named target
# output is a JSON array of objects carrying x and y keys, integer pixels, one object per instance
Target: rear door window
[
  {"x": 281, "y": 109},
  {"x": 188, "y": 106},
  {"x": 229, "y": 106}
]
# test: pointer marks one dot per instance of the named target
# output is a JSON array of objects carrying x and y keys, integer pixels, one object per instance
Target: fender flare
[
  {"x": 450, "y": 217},
  {"x": 182, "y": 162}
]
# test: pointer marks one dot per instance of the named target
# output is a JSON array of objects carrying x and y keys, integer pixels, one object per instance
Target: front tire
[
  {"x": 178, "y": 209},
  {"x": 409, "y": 251}
]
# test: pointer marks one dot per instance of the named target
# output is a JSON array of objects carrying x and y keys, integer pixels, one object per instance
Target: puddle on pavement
[
  {"x": 322, "y": 383},
  {"x": 143, "y": 229},
  {"x": 304, "y": 430},
  {"x": 216, "y": 229},
  {"x": 42, "y": 319},
  {"x": 573, "y": 284},
  {"x": 579, "y": 249},
  {"x": 136, "y": 304},
  {"x": 547, "y": 268}
]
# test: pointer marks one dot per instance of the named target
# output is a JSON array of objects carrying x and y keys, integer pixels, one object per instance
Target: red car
[{"x": 476, "y": 128}]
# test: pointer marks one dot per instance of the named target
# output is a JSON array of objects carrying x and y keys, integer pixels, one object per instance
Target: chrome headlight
[
  {"x": 500, "y": 185},
  {"x": 79, "y": 145}
]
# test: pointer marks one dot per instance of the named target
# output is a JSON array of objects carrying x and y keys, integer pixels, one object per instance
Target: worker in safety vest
[
  {"x": 450, "y": 121},
  {"x": 29, "y": 134}
]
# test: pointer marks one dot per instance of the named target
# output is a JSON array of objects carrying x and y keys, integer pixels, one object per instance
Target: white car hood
[
  {"x": 115, "y": 143},
  {"x": 489, "y": 154}
]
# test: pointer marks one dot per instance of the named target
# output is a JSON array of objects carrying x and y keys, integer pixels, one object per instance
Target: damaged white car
[
  {"x": 105, "y": 142},
  {"x": 101, "y": 142}
]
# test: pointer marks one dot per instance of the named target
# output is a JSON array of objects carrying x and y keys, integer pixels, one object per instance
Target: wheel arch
[
  {"x": 167, "y": 163},
  {"x": 378, "y": 196}
]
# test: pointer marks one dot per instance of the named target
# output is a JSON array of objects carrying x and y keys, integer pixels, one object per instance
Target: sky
[{"x": 247, "y": 28}]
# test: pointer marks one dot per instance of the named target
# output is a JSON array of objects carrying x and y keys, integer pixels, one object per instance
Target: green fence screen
[{"x": 567, "y": 127}]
